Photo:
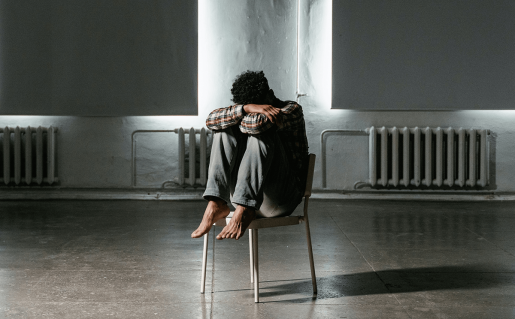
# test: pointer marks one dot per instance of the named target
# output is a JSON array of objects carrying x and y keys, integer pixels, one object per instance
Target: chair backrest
[{"x": 311, "y": 172}]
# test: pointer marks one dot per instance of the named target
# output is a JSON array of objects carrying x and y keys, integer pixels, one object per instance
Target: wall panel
[
  {"x": 423, "y": 55},
  {"x": 98, "y": 57}
]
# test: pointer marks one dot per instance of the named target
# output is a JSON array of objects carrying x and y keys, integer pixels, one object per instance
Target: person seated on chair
[{"x": 258, "y": 157}]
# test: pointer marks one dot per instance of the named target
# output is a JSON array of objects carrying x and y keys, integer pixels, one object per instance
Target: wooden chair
[{"x": 267, "y": 223}]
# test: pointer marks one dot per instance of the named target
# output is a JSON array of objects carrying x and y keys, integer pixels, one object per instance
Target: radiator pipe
[
  {"x": 395, "y": 157},
  {"x": 51, "y": 155},
  {"x": 405, "y": 156},
  {"x": 472, "y": 159},
  {"x": 39, "y": 155},
  {"x": 182, "y": 150},
  {"x": 428, "y": 165},
  {"x": 17, "y": 155},
  {"x": 483, "y": 171},
  {"x": 372, "y": 169},
  {"x": 203, "y": 156},
  {"x": 192, "y": 157},
  {"x": 451, "y": 157},
  {"x": 384, "y": 156},
  {"x": 7, "y": 156},
  {"x": 461, "y": 158},
  {"x": 439, "y": 157},
  {"x": 416, "y": 157},
  {"x": 28, "y": 156}
]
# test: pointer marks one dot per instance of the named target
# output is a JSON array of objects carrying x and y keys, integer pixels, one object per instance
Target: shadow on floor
[{"x": 391, "y": 281}]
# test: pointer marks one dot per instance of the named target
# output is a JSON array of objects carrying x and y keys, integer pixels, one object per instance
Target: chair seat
[{"x": 265, "y": 222}]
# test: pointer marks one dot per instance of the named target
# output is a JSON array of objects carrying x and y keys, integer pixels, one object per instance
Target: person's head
[{"x": 251, "y": 87}]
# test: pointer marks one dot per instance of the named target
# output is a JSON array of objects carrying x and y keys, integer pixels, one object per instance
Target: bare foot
[
  {"x": 216, "y": 209},
  {"x": 239, "y": 222}
]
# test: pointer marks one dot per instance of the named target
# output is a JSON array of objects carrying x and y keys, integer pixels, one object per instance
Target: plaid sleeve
[
  {"x": 224, "y": 117},
  {"x": 293, "y": 117},
  {"x": 256, "y": 123}
]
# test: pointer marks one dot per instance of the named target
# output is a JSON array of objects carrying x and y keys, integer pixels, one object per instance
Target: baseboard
[
  {"x": 99, "y": 194},
  {"x": 434, "y": 196},
  {"x": 196, "y": 194}
]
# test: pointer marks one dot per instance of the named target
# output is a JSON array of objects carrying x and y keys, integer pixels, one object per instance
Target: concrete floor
[{"x": 374, "y": 259}]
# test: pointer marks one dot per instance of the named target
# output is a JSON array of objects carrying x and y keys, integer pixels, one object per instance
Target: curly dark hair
[{"x": 250, "y": 87}]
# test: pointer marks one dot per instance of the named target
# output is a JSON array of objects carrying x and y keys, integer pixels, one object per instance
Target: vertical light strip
[
  {"x": 316, "y": 32},
  {"x": 200, "y": 62},
  {"x": 298, "y": 50},
  {"x": 207, "y": 32},
  {"x": 2, "y": 49},
  {"x": 330, "y": 50}
]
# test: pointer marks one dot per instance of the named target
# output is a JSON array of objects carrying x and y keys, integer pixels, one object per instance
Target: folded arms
[{"x": 290, "y": 118}]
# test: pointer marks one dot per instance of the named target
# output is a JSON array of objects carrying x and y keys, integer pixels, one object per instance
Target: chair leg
[
  {"x": 311, "y": 262},
  {"x": 256, "y": 264},
  {"x": 251, "y": 254},
  {"x": 204, "y": 264}
]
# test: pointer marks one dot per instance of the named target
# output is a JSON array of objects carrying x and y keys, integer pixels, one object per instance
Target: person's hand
[{"x": 272, "y": 113}]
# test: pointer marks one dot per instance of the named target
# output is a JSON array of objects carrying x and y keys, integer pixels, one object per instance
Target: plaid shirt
[{"x": 292, "y": 133}]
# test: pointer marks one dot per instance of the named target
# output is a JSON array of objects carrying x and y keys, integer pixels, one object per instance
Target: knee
[
  {"x": 221, "y": 133},
  {"x": 227, "y": 135},
  {"x": 259, "y": 144}
]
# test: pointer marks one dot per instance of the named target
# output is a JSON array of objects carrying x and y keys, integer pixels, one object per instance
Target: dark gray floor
[{"x": 374, "y": 259}]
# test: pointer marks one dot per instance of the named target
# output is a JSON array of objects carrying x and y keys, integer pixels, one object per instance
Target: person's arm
[
  {"x": 255, "y": 123},
  {"x": 224, "y": 117},
  {"x": 287, "y": 118},
  {"x": 293, "y": 117}
]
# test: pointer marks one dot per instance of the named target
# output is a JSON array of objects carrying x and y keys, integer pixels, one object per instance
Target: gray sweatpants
[{"x": 253, "y": 171}]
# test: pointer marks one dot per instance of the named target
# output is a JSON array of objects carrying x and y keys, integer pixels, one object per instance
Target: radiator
[
  {"x": 25, "y": 158},
  {"x": 192, "y": 179},
  {"x": 428, "y": 157}
]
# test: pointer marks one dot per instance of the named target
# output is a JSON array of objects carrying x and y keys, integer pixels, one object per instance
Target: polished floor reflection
[{"x": 374, "y": 259}]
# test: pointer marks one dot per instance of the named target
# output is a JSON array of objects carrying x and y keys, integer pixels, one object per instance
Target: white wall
[{"x": 236, "y": 35}]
